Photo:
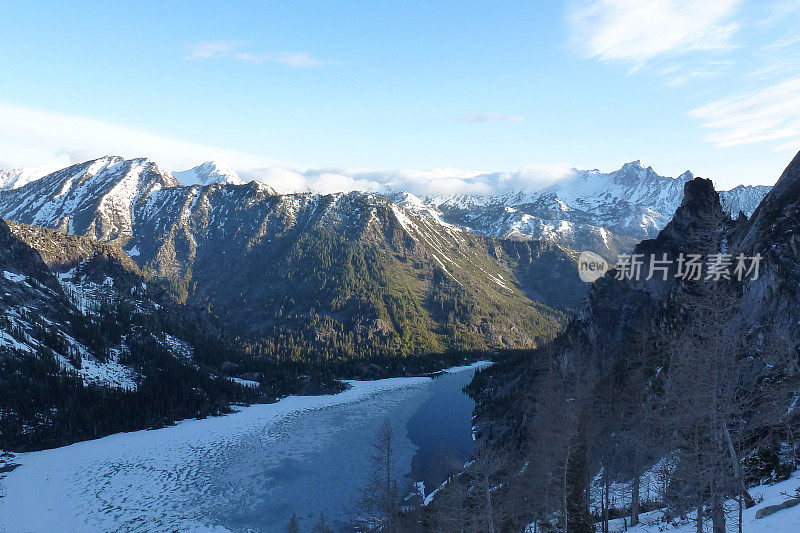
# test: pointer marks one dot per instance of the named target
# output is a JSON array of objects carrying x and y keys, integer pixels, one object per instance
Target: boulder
[{"x": 772, "y": 509}]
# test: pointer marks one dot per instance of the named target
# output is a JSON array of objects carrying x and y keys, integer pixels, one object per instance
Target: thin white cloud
[
  {"x": 635, "y": 32},
  {"x": 30, "y": 137},
  {"x": 420, "y": 182},
  {"x": 35, "y": 137},
  {"x": 211, "y": 49},
  {"x": 778, "y": 58},
  {"x": 679, "y": 75},
  {"x": 768, "y": 114},
  {"x": 490, "y": 117},
  {"x": 782, "y": 43},
  {"x": 237, "y": 50},
  {"x": 302, "y": 59}
]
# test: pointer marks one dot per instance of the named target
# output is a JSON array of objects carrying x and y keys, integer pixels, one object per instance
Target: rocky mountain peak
[
  {"x": 633, "y": 171},
  {"x": 633, "y": 165},
  {"x": 208, "y": 173},
  {"x": 700, "y": 200},
  {"x": 94, "y": 198},
  {"x": 699, "y": 194}
]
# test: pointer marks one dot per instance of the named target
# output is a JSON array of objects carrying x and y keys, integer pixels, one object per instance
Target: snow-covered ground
[
  {"x": 248, "y": 471},
  {"x": 785, "y": 521}
]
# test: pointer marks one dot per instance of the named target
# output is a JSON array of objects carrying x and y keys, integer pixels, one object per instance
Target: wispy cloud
[
  {"x": 635, "y": 32},
  {"x": 36, "y": 137},
  {"x": 210, "y": 49},
  {"x": 238, "y": 51},
  {"x": 302, "y": 59},
  {"x": 768, "y": 114},
  {"x": 680, "y": 75},
  {"x": 490, "y": 117},
  {"x": 778, "y": 58},
  {"x": 420, "y": 182}
]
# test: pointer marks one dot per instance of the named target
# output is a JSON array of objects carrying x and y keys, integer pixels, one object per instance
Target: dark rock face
[
  {"x": 595, "y": 339},
  {"x": 700, "y": 201},
  {"x": 774, "y": 233},
  {"x": 616, "y": 306},
  {"x": 777, "y": 213},
  {"x": 546, "y": 272}
]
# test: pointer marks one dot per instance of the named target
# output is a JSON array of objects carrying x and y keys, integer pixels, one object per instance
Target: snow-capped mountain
[
  {"x": 743, "y": 199},
  {"x": 17, "y": 177},
  {"x": 96, "y": 198},
  {"x": 604, "y": 212},
  {"x": 208, "y": 173},
  {"x": 322, "y": 260}
]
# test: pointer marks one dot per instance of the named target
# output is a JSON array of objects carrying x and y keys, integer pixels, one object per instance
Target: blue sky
[{"x": 428, "y": 90}]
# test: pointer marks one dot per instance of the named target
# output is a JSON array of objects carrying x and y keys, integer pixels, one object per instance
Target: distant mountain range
[
  {"x": 357, "y": 273},
  {"x": 306, "y": 275},
  {"x": 604, "y": 212}
]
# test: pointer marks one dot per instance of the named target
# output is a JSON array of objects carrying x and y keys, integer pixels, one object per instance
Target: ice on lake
[{"x": 248, "y": 471}]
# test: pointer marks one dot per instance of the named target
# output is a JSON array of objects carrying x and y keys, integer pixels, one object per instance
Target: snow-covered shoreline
[{"x": 118, "y": 481}]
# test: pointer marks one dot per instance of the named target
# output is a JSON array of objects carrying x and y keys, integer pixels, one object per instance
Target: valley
[
  {"x": 153, "y": 302},
  {"x": 400, "y": 267}
]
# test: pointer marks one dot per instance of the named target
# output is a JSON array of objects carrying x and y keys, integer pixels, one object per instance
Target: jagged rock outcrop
[{"x": 615, "y": 307}]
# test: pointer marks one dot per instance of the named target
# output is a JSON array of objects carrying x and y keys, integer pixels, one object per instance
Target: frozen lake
[{"x": 248, "y": 471}]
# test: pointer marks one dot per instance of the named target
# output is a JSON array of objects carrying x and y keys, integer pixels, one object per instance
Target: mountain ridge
[
  {"x": 348, "y": 273},
  {"x": 603, "y": 212},
  {"x": 392, "y": 274}
]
